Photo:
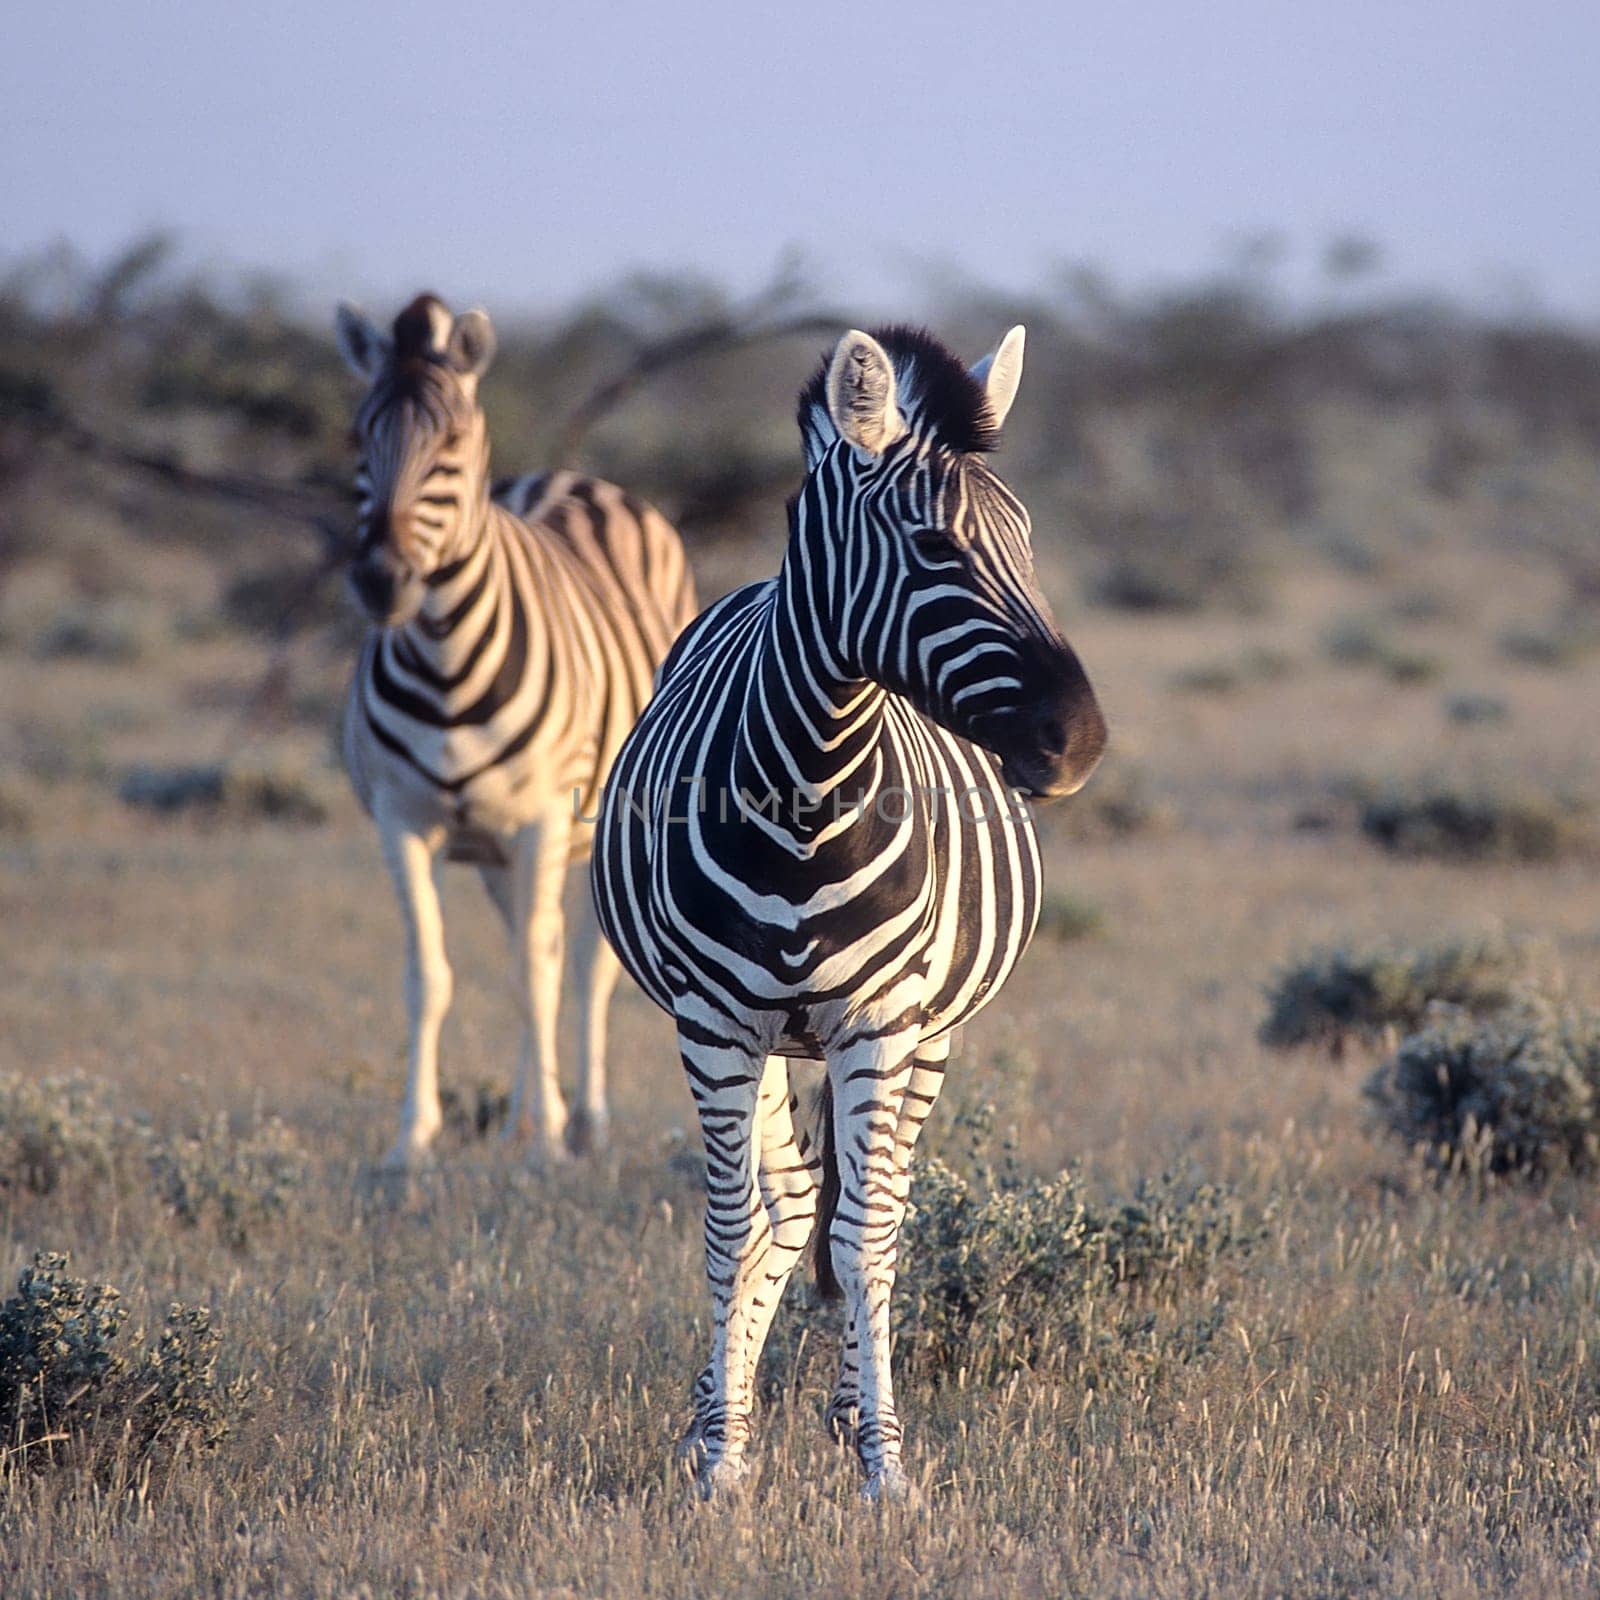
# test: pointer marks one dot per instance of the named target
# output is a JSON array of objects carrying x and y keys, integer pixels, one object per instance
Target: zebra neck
[
  {"x": 463, "y": 597},
  {"x": 809, "y": 742}
]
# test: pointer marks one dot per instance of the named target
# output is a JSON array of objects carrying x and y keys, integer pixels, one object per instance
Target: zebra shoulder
[{"x": 707, "y": 629}]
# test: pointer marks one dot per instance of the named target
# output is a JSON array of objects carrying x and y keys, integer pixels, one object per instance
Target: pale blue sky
[{"x": 521, "y": 153}]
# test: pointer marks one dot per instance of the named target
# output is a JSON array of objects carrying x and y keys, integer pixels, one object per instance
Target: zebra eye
[{"x": 937, "y": 544}]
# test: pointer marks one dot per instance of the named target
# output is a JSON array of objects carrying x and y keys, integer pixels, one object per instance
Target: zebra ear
[
  {"x": 1001, "y": 371},
  {"x": 861, "y": 393},
  {"x": 364, "y": 347},
  {"x": 472, "y": 343}
]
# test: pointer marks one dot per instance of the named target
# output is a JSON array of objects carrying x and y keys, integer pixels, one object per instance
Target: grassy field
[{"x": 474, "y": 1389}]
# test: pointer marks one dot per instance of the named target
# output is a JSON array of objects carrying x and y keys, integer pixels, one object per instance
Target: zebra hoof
[
  {"x": 889, "y": 1486},
  {"x": 719, "y": 1481},
  {"x": 404, "y": 1158},
  {"x": 588, "y": 1132}
]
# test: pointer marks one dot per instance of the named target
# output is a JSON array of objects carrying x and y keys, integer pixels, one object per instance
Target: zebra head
[
  {"x": 920, "y": 565},
  {"x": 423, "y": 475}
]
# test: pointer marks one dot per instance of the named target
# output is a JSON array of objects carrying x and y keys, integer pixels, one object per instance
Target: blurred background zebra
[
  {"x": 813, "y": 845},
  {"x": 516, "y": 637}
]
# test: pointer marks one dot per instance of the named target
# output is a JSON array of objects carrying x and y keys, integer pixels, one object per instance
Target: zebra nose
[
  {"x": 1051, "y": 734},
  {"x": 377, "y": 576}
]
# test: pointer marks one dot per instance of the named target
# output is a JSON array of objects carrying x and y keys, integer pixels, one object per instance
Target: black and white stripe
[
  {"x": 518, "y": 634},
  {"x": 812, "y": 846}
]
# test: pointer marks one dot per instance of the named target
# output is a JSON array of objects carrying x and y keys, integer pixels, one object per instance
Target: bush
[
  {"x": 1338, "y": 995},
  {"x": 1116, "y": 803},
  {"x": 1002, "y": 1269},
  {"x": 1561, "y": 643},
  {"x": 225, "y": 794},
  {"x": 235, "y": 1181},
  {"x": 1518, "y": 1092},
  {"x": 1229, "y": 675},
  {"x": 1364, "y": 641},
  {"x": 56, "y": 1130},
  {"x": 67, "y": 1385},
  {"x": 116, "y": 632},
  {"x": 1064, "y": 917},
  {"x": 476, "y": 1115},
  {"x": 1478, "y": 823},
  {"x": 1473, "y": 707}
]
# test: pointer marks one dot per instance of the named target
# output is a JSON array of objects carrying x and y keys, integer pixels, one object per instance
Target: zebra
[
  {"x": 516, "y": 636},
  {"x": 814, "y": 846}
]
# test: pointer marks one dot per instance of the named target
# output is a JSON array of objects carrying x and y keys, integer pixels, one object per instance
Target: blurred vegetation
[
  {"x": 1483, "y": 819},
  {"x": 1516, "y": 1092},
  {"x": 1175, "y": 447},
  {"x": 1340, "y": 995}
]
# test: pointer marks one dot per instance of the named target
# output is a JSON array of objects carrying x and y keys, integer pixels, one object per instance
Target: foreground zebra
[
  {"x": 812, "y": 845},
  {"x": 517, "y": 638}
]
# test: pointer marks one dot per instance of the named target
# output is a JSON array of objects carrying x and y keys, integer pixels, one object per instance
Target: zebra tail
[{"x": 828, "y": 1201}]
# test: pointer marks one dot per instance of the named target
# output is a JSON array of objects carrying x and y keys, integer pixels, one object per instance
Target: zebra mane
[
  {"x": 418, "y": 368},
  {"x": 939, "y": 398},
  {"x": 422, "y": 330}
]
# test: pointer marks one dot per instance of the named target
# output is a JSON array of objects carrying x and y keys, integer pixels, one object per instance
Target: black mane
[
  {"x": 939, "y": 398},
  {"x": 413, "y": 330}
]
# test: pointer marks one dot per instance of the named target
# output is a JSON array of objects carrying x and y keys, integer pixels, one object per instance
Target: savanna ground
[{"x": 476, "y": 1389}]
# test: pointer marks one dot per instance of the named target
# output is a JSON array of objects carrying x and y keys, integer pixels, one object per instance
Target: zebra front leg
[
  {"x": 538, "y": 1114},
  {"x": 410, "y": 858},
  {"x": 922, "y": 1091},
  {"x": 589, "y": 1130},
  {"x": 789, "y": 1180},
  {"x": 870, "y": 1078},
  {"x": 725, "y": 1081}
]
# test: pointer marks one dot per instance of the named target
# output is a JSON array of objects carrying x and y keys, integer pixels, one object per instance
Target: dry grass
[{"x": 476, "y": 1392}]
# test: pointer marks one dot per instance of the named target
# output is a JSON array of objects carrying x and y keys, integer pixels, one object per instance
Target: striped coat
[
  {"x": 516, "y": 637},
  {"x": 814, "y": 844}
]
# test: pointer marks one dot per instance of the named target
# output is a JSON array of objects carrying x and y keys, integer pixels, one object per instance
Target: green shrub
[
  {"x": 1477, "y": 823},
  {"x": 69, "y": 1385},
  {"x": 113, "y": 631},
  {"x": 234, "y": 1181},
  {"x": 1473, "y": 707},
  {"x": 218, "y": 793},
  {"x": 475, "y": 1115},
  {"x": 1365, "y": 641},
  {"x": 1212, "y": 677},
  {"x": 1064, "y": 916},
  {"x": 1177, "y": 577},
  {"x": 1338, "y": 995},
  {"x": 1117, "y": 803},
  {"x": 1516, "y": 1092},
  {"x": 62, "y": 1130},
  {"x": 1561, "y": 643},
  {"x": 1002, "y": 1269}
]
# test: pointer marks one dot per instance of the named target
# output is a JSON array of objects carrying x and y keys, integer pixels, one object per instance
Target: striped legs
[
  {"x": 788, "y": 1176},
  {"x": 539, "y": 867},
  {"x": 883, "y": 1090},
  {"x": 410, "y": 859},
  {"x": 590, "y": 1128},
  {"x": 760, "y": 1210},
  {"x": 927, "y": 1078}
]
